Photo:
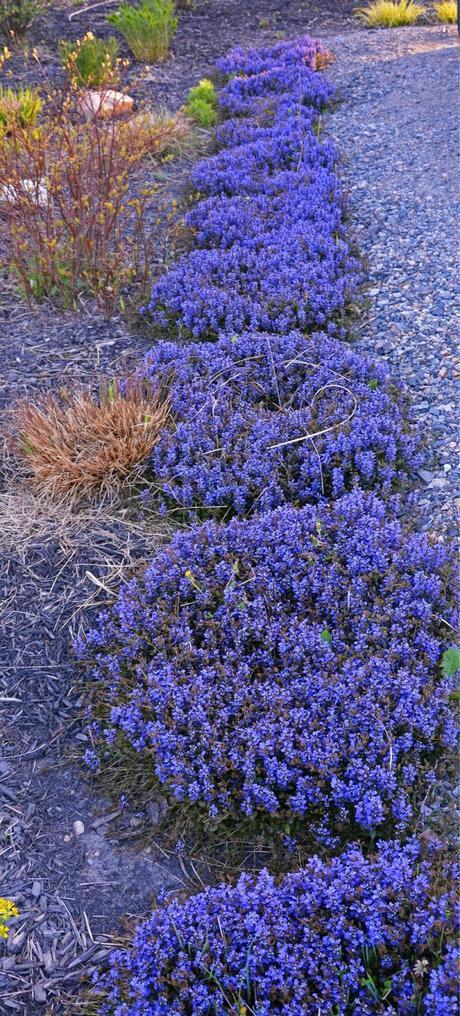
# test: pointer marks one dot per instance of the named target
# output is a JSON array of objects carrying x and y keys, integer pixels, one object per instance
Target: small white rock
[{"x": 78, "y": 828}]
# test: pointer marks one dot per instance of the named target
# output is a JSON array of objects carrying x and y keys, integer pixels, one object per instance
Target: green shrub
[
  {"x": 16, "y": 15},
  {"x": 18, "y": 108},
  {"x": 390, "y": 13},
  {"x": 89, "y": 61},
  {"x": 201, "y": 103},
  {"x": 447, "y": 11},
  {"x": 148, "y": 29}
]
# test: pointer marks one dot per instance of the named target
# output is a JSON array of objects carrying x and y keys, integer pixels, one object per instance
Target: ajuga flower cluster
[
  {"x": 279, "y": 662},
  {"x": 308, "y": 685},
  {"x": 351, "y": 937},
  {"x": 271, "y": 251},
  {"x": 267, "y": 420}
]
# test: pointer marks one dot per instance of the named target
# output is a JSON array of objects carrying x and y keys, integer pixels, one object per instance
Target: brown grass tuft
[
  {"x": 86, "y": 445},
  {"x": 323, "y": 60}
]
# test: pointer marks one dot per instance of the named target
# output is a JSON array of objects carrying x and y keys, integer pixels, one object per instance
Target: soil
[{"x": 207, "y": 29}]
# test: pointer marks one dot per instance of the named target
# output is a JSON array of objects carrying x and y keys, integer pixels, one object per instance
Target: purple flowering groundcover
[
  {"x": 350, "y": 937},
  {"x": 266, "y": 420},
  {"x": 272, "y": 253},
  {"x": 288, "y": 665}
]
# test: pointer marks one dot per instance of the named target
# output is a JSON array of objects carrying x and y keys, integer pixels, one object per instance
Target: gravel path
[{"x": 397, "y": 129}]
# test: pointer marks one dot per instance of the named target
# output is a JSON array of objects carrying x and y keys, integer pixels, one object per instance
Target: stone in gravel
[
  {"x": 78, "y": 828},
  {"x": 425, "y": 475}
]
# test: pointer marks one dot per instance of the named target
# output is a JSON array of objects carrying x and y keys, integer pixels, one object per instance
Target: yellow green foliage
[
  {"x": 8, "y": 909},
  {"x": 390, "y": 13},
  {"x": 201, "y": 103},
  {"x": 447, "y": 11},
  {"x": 18, "y": 108}
]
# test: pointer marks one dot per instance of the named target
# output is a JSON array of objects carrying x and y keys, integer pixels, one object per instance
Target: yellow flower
[{"x": 8, "y": 909}]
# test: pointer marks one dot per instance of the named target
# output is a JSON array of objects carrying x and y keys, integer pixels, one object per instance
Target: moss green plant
[
  {"x": 201, "y": 104},
  {"x": 390, "y": 13},
  {"x": 148, "y": 28}
]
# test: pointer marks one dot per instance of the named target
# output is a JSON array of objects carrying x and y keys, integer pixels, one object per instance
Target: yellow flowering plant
[{"x": 8, "y": 909}]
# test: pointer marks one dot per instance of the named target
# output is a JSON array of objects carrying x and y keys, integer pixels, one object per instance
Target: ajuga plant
[
  {"x": 390, "y": 13},
  {"x": 148, "y": 28},
  {"x": 352, "y": 936},
  {"x": 201, "y": 103},
  {"x": 90, "y": 61},
  {"x": 269, "y": 420},
  {"x": 271, "y": 250},
  {"x": 311, "y": 687}
]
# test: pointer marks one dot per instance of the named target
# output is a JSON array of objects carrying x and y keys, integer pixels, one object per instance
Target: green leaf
[
  {"x": 450, "y": 662},
  {"x": 111, "y": 391},
  {"x": 373, "y": 383},
  {"x": 326, "y": 635}
]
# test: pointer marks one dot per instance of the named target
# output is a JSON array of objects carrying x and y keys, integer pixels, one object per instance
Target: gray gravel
[{"x": 397, "y": 130}]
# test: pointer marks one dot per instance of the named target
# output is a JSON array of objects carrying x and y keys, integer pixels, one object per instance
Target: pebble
[
  {"x": 396, "y": 124},
  {"x": 78, "y": 828}
]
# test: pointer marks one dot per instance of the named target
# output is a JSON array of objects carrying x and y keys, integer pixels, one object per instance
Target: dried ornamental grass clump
[
  {"x": 352, "y": 936},
  {"x": 86, "y": 444},
  {"x": 272, "y": 253},
  {"x": 269, "y": 420},
  {"x": 285, "y": 666}
]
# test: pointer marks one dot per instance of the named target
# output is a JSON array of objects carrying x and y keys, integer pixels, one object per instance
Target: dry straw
[{"x": 85, "y": 445}]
